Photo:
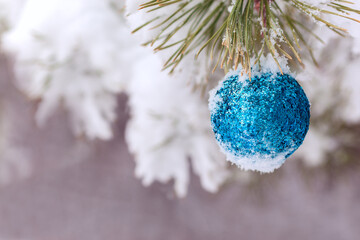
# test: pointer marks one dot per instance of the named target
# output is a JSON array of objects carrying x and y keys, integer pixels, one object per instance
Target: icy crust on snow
[{"x": 259, "y": 123}]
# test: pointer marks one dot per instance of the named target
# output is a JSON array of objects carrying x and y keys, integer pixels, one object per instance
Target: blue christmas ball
[{"x": 261, "y": 121}]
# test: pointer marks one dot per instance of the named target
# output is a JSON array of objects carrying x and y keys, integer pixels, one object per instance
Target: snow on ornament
[{"x": 261, "y": 121}]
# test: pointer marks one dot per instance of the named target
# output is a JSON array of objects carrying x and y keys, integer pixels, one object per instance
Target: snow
[
  {"x": 170, "y": 124},
  {"x": 67, "y": 53},
  {"x": 316, "y": 3}
]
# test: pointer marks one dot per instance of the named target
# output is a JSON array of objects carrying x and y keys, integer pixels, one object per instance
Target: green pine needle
[{"x": 251, "y": 29}]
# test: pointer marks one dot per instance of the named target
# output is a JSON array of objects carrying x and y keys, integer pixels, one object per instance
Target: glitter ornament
[{"x": 258, "y": 123}]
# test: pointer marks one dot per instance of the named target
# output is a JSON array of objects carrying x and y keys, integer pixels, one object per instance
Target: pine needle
[{"x": 251, "y": 29}]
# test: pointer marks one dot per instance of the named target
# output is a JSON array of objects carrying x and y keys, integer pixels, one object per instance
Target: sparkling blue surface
[{"x": 262, "y": 121}]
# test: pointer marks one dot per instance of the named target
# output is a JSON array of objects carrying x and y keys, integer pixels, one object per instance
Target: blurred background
[{"x": 96, "y": 142}]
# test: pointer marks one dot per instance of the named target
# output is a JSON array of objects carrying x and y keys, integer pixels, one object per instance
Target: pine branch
[{"x": 251, "y": 29}]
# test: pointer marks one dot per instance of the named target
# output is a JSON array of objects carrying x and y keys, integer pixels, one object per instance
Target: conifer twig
[{"x": 241, "y": 30}]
